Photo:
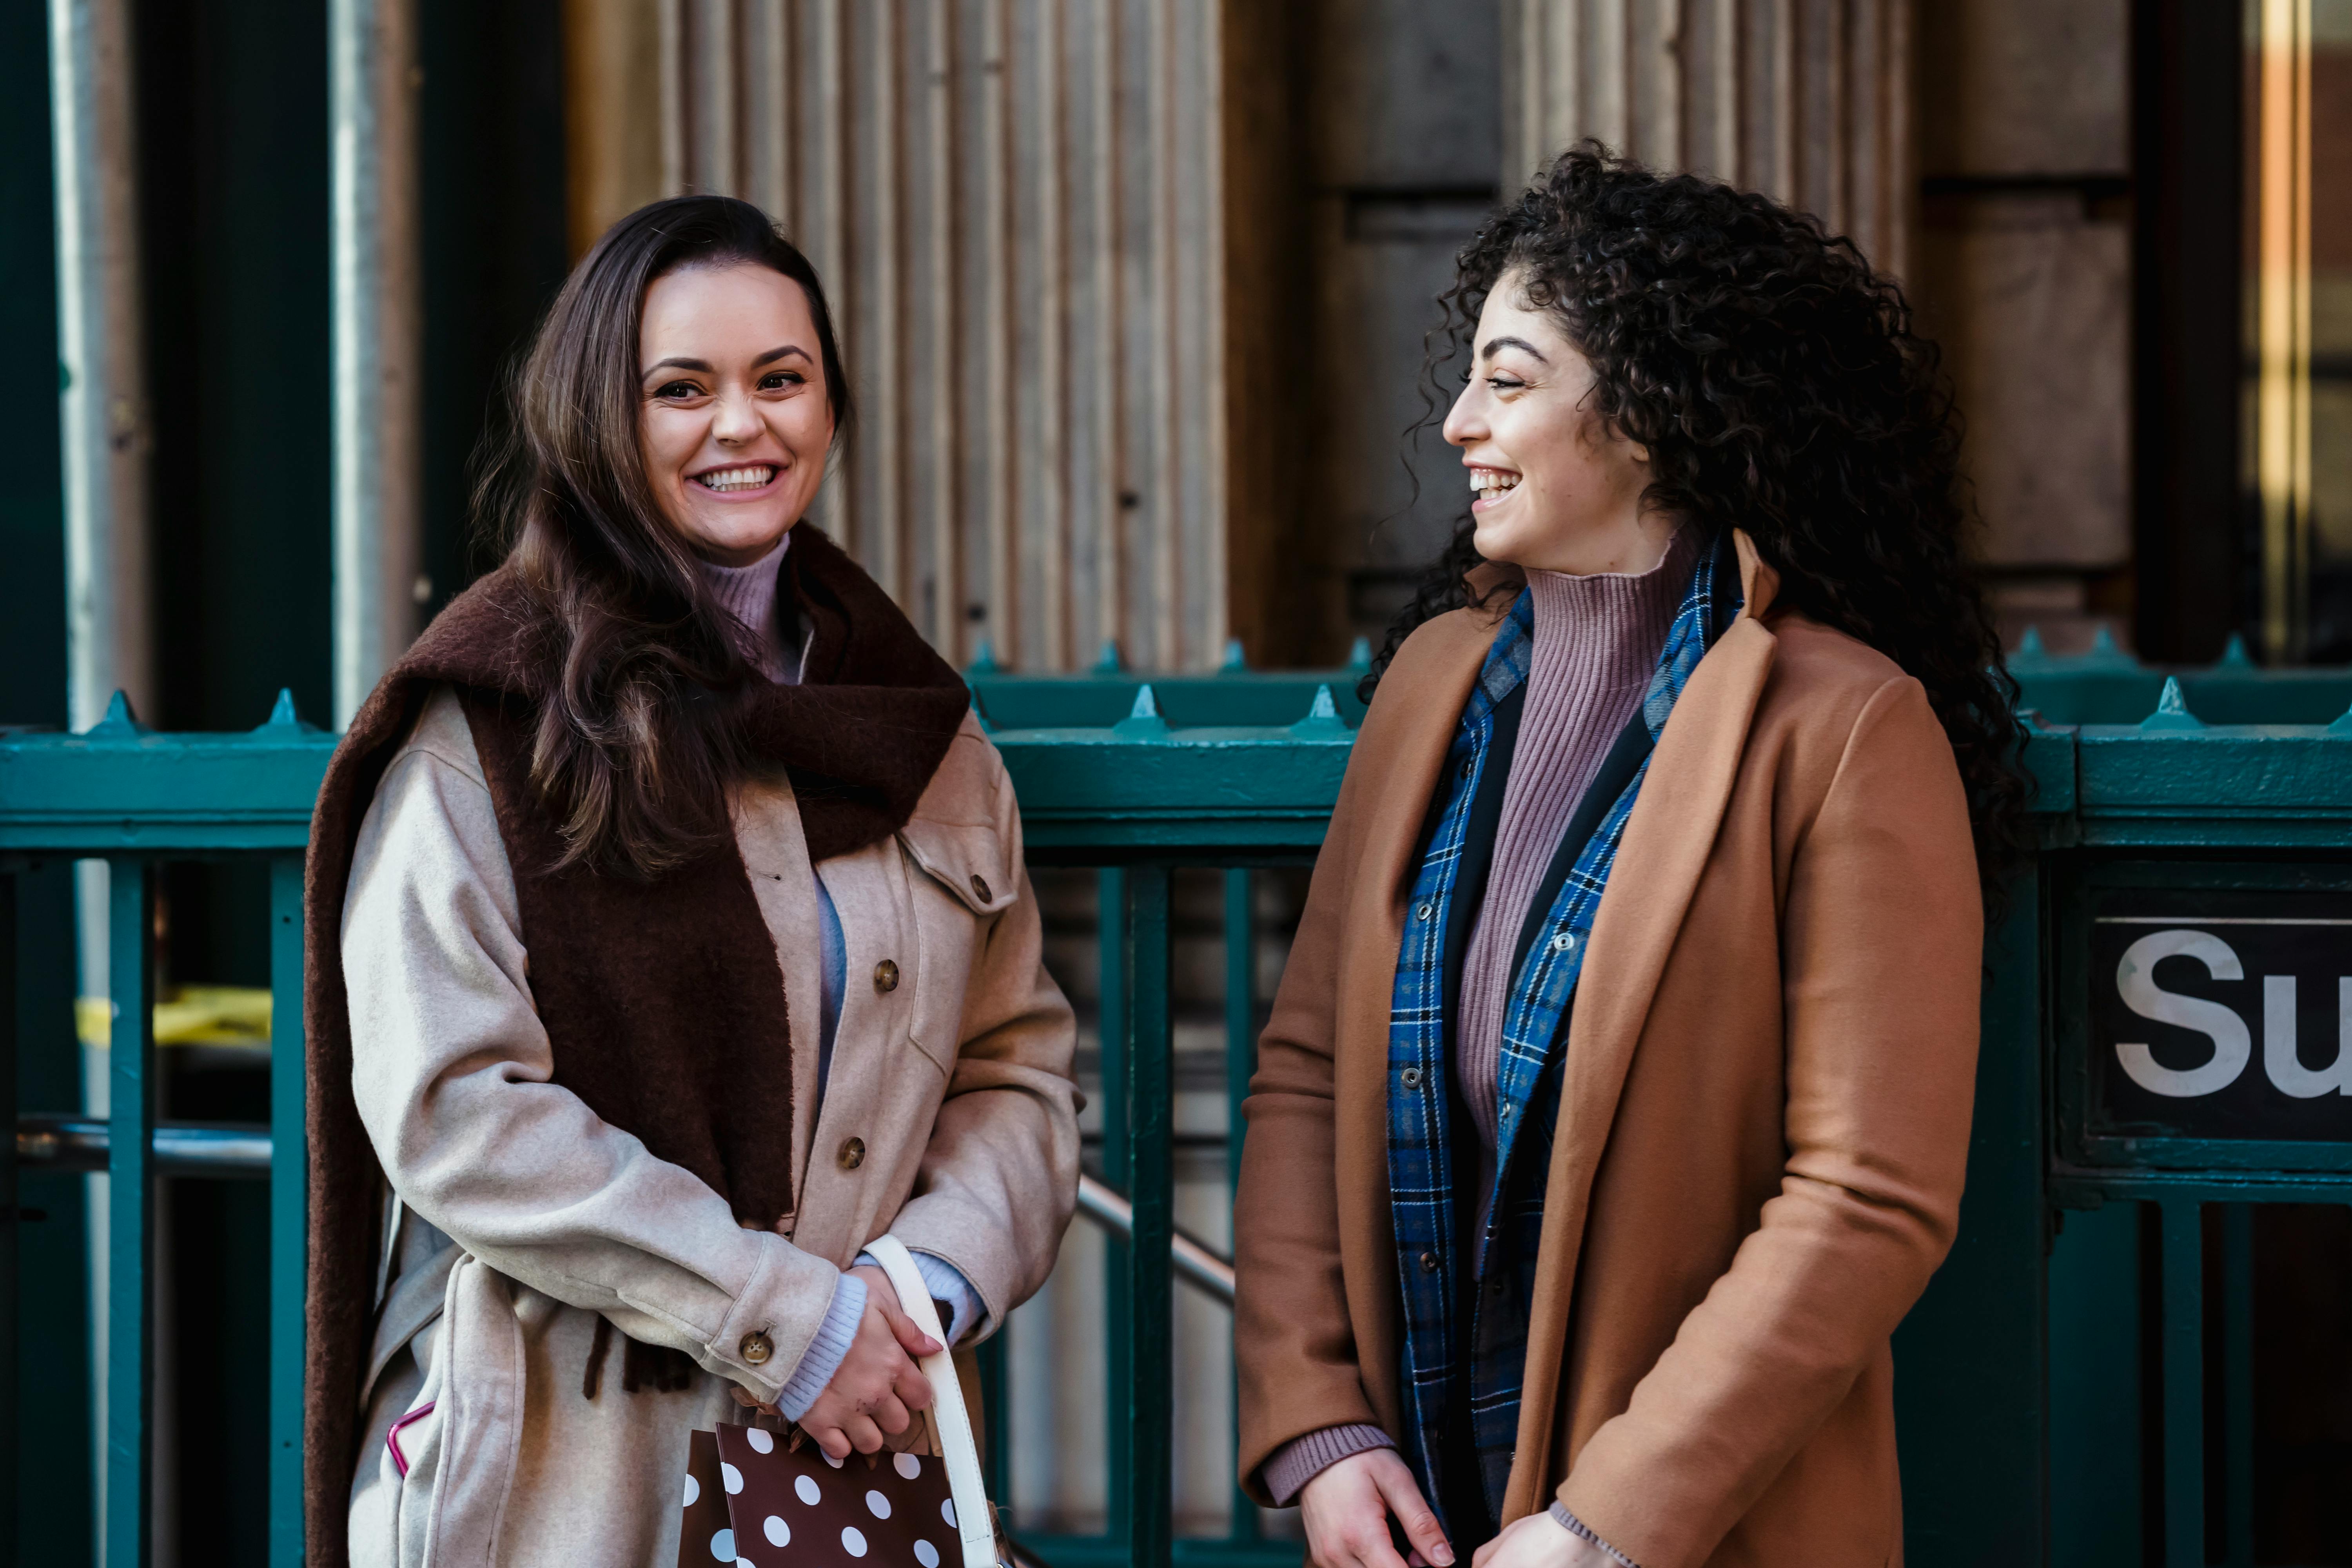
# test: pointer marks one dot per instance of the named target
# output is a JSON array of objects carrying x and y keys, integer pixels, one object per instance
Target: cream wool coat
[{"x": 515, "y": 1216}]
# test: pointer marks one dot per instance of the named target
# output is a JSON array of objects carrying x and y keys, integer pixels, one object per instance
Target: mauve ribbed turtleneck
[
  {"x": 1597, "y": 640},
  {"x": 749, "y": 594}
]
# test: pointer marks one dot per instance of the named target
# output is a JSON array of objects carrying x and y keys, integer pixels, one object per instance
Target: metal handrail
[
  {"x": 1194, "y": 1262},
  {"x": 191, "y": 1149}
]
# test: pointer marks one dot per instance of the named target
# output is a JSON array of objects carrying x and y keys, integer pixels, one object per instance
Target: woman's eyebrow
[
  {"x": 1496, "y": 345},
  {"x": 774, "y": 354},
  {"x": 678, "y": 364}
]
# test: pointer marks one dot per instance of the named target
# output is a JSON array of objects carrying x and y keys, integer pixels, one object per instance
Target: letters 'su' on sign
[{"x": 2222, "y": 1015}]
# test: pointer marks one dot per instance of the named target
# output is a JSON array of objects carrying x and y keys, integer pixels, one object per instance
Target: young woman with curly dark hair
[{"x": 1614, "y": 1106}]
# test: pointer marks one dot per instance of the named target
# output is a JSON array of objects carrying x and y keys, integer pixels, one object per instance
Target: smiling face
[
  {"x": 733, "y": 423},
  {"x": 1558, "y": 489}
]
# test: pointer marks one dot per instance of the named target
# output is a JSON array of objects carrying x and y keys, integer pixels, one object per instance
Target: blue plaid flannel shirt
[{"x": 1431, "y": 1258}]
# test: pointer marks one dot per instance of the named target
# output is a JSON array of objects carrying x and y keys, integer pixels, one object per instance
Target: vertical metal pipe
[
  {"x": 288, "y": 1211},
  {"x": 1668, "y": 69},
  {"x": 2183, "y": 1266},
  {"x": 378, "y": 345},
  {"x": 769, "y": 98},
  {"x": 1114, "y": 959},
  {"x": 1150, "y": 1113},
  {"x": 1240, "y": 1061},
  {"x": 102, "y": 402},
  {"x": 2238, "y": 1384},
  {"x": 1837, "y": 111},
  {"x": 131, "y": 1194}
]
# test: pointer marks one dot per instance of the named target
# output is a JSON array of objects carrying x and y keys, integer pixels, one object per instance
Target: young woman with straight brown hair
[
  {"x": 669, "y": 940},
  {"x": 1615, "y": 1103}
]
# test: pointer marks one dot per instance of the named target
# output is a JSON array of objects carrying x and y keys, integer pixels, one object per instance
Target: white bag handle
[{"x": 952, "y": 1423}]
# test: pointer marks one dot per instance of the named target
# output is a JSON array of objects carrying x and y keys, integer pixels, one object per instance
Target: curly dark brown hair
[{"x": 1776, "y": 381}]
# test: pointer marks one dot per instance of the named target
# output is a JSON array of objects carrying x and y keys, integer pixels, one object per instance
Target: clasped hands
[
  {"x": 1348, "y": 1506},
  {"x": 878, "y": 1387}
]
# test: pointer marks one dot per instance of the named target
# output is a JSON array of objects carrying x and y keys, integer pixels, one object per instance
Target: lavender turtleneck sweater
[{"x": 1597, "y": 641}]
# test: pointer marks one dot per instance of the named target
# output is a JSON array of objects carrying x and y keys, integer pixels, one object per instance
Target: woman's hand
[
  {"x": 1539, "y": 1541},
  {"x": 1346, "y": 1510},
  {"x": 878, "y": 1385}
]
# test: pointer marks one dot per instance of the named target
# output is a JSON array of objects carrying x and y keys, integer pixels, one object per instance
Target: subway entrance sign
[{"x": 2205, "y": 1018}]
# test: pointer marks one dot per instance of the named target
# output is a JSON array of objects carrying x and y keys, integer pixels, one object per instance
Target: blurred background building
[{"x": 1135, "y": 295}]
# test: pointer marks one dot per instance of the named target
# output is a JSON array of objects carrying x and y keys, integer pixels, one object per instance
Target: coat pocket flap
[{"x": 967, "y": 859}]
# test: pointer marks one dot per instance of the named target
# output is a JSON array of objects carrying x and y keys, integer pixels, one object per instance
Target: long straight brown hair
[{"x": 637, "y": 735}]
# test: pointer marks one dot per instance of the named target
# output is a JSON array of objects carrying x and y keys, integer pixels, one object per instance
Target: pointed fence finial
[
  {"x": 2171, "y": 710},
  {"x": 2343, "y": 725},
  {"x": 2029, "y": 646},
  {"x": 118, "y": 720},
  {"x": 1236, "y": 661},
  {"x": 1359, "y": 655},
  {"x": 2104, "y": 653},
  {"x": 1143, "y": 721},
  {"x": 983, "y": 659},
  {"x": 1109, "y": 663},
  {"x": 1322, "y": 722},
  {"x": 2234, "y": 655}
]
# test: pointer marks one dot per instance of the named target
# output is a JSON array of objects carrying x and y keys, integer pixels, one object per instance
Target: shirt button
[
  {"x": 852, "y": 1155},
  {"x": 980, "y": 888},
  {"x": 1411, "y": 1077},
  {"x": 1429, "y": 1263},
  {"x": 756, "y": 1348},
  {"x": 1423, "y": 911},
  {"x": 1563, "y": 942},
  {"x": 886, "y": 976}
]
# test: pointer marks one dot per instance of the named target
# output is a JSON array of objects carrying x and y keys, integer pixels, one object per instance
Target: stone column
[{"x": 1808, "y": 100}]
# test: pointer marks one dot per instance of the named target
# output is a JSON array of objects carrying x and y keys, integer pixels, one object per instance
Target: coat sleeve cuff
[
  {"x": 1300, "y": 1460},
  {"x": 1583, "y": 1532},
  {"x": 826, "y": 1351}
]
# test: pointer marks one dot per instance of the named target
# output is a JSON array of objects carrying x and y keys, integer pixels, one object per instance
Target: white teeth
[
  {"x": 750, "y": 478},
  {"x": 1489, "y": 484}
]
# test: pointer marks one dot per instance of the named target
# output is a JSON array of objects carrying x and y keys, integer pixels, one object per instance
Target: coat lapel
[{"x": 1667, "y": 841}]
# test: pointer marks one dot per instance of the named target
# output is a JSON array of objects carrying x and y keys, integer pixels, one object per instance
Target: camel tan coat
[{"x": 1764, "y": 1120}]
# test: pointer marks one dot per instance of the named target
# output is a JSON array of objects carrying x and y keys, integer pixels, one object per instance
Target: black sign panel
[{"x": 2219, "y": 1015}]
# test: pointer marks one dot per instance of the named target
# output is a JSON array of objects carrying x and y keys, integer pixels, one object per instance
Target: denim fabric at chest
[{"x": 1455, "y": 1382}]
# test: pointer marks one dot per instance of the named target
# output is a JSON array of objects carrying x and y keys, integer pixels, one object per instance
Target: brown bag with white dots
[{"x": 786, "y": 1502}]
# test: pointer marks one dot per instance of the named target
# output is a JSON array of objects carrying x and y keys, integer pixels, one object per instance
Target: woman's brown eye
[{"x": 678, "y": 389}]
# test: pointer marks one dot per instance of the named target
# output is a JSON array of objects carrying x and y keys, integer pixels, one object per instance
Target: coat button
[
  {"x": 1429, "y": 1263},
  {"x": 1411, "y": 1077},
  {"x": 756, "y": 1348},
  {"x": 853, "y": 1154},
  {"x": 1563, "y": 942},
  {"x": 980, "y": 888},
  {"x": 1424, "y": 910},
  {"x": 886, "y": 976}
]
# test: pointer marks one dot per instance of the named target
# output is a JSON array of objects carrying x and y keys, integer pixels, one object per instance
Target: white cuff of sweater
[
  {"x": 947, "y": 1285},
  {"x": 826, "y": 1351}
]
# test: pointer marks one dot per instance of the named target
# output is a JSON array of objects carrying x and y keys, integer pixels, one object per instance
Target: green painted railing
[{"x": 2165, "y": 809}]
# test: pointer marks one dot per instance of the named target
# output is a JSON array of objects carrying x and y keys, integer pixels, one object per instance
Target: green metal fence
[{"x": 2167, "y": 824}]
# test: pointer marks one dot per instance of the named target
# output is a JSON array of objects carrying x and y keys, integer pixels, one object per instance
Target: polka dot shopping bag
[{"x": 759, "y": 1500}]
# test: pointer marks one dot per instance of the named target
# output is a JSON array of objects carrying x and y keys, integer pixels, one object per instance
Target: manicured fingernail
[{"x": 1443, "y": 1556}]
